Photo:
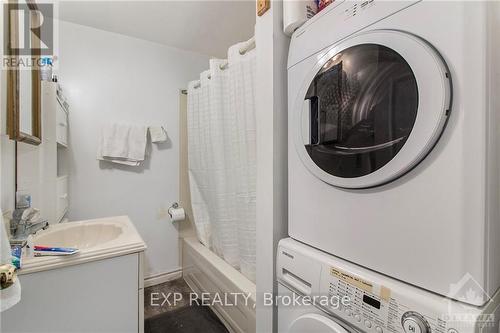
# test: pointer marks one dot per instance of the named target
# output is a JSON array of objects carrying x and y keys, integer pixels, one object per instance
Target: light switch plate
[{"x": 263, "y": 6}]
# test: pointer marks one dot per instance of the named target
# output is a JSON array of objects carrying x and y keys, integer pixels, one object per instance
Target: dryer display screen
[{"x": 371, "y": 301}]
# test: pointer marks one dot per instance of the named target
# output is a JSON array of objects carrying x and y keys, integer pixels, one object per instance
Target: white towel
[
  {"x": 11, "y": 295},
  {"x": 123, "y": 144},
  {"x": 157, "y": 134}
]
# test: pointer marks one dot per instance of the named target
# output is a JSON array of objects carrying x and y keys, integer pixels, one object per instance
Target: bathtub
[
  {"x": 206, "y": 273},
  {"x": 99, "y": 289}
]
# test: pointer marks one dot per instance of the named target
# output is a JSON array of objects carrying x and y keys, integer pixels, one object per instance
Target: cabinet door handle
[{"x": 64, "y": 196}]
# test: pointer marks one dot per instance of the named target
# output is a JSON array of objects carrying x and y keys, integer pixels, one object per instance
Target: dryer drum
[{"x": 364, "y": 103}]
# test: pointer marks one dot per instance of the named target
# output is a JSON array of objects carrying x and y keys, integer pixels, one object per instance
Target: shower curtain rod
[{"x": 249, "y": 46}]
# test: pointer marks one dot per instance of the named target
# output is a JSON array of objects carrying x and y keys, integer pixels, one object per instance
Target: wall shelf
[{"x": 42, "y": 170}]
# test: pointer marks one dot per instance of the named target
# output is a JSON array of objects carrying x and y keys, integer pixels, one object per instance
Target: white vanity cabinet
[
  {"x": 99, "y": 289},
  {"x": 42, "y": 170},
  {"x": 93, "y": 297}
]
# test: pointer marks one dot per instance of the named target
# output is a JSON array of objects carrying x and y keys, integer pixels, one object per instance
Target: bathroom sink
[
  {"x": 96, "y": 239},
  {"x": 78, "y": 235}
]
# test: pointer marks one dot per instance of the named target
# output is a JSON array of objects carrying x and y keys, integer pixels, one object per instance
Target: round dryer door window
[
  {"x": 371, "y": 109},
  {"x": 315, "y": 323}
]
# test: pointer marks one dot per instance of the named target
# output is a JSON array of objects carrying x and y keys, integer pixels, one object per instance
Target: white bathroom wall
[
  {"x": 109, "y": 77},
  {"x": 272, "y": 166}
]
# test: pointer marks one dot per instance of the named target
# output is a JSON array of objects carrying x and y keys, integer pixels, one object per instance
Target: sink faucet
[{"x": 25, "y": 222}]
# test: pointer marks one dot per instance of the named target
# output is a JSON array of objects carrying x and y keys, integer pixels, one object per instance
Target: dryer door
[
  {"x": 315, "y": 323},
  {"x": 372, "y": 108}
]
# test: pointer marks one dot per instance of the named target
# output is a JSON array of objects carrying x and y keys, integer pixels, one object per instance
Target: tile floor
[
  {"x": 162, "y": 314},
  {"x": 153, "y": 297}
]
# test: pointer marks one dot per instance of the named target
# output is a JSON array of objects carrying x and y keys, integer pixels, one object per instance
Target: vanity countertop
[{"x": 96, "y": 239}]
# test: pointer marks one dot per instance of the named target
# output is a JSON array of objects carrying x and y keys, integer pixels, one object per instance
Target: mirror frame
[{"x": 13, "y": 84}]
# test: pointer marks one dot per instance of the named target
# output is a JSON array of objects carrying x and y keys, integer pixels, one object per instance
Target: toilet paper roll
[
  {"x": 296, "y": 13},
  {"x": 177, "y": 214}
]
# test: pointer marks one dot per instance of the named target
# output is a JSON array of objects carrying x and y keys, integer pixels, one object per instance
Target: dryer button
[
  {"x": 368, "y": 324},
  {"x": 379, "y": 329},
  {"x": 358, "y": 319}
]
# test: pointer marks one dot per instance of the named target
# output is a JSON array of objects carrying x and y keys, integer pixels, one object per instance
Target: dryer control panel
[{"x": 372, "y": 302}]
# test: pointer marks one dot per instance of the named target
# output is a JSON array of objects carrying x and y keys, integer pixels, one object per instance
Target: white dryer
[
  {"x": 394, "y": 109},
  {"x": 321, "y": 293}
]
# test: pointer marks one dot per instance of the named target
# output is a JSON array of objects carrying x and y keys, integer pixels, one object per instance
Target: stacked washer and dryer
[{"x": 394, "y": 168}]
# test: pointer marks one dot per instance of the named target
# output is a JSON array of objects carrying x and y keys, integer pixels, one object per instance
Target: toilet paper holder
[{"x": 177, "y": 216}]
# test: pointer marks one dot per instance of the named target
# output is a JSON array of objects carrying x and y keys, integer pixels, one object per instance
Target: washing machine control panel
[
  {"x": 371, "y": 302},
  {"x": 374, "y": 307}
]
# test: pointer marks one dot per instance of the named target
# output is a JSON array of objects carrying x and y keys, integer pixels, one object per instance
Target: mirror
[
  {"x": 23, "y": 82},
  {"x": 25, "y": 105}
]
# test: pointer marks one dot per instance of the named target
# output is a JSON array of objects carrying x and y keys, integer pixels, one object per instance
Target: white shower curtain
[{"x": 222, "y": 165}]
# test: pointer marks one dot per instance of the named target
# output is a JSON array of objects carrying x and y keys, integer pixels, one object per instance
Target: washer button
[
  {"x": 379, "y": 329},
  {"x": 348, "y": 312},
  {"x": 368, "y": 324},
  {"x": 411, "y": 326},
  {"x": 358, "y": 319},
  {"x": 452, "y": 330}
]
